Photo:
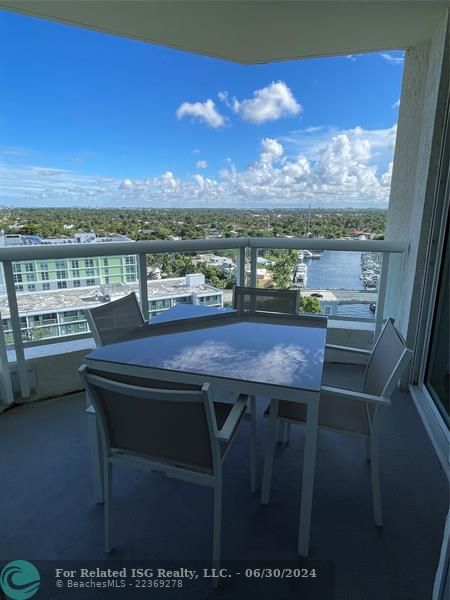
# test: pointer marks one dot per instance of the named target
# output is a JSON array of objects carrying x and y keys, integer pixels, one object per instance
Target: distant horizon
[
  {"x": 203, "y": 208},
  {"x": 124, "y": 123}
]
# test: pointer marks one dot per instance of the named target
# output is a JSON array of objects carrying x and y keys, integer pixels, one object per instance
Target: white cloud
[
  {"x": 268, "y": 104},
  {"x": 395, "y": 59},
  {"x": 126, "y": 184},
  {"x": 322, "y": 166},
  {"x": 396, "y": 104},
  {"x": 271, "y": 150},
  {"x": 201, "y": 164},
  {"x": 203, "y": 111}
]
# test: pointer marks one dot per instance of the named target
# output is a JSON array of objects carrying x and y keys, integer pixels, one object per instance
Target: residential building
[
  {"x": 60, "y": 313},
  {"x": 67, "y": 273}
]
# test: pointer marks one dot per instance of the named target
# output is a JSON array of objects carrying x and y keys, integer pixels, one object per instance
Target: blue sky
[{"x": 92, "y": 119}]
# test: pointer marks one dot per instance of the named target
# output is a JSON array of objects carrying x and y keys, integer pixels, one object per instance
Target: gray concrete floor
[{"x": 47, "y": 510}]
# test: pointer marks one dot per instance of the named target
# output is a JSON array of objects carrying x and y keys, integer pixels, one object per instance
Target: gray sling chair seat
[
  {"x": 116, "y": 321},
  {"x": 165, "y": 426},
  {"x": 353, "y": 411},
  {"x": 249, "y": 299}
]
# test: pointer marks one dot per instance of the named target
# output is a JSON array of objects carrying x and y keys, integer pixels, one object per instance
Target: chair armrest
[
  {"x": 352, "y": 395},
  {"x": 239, "y": 407},
  {"x": 348, "y": 349}
]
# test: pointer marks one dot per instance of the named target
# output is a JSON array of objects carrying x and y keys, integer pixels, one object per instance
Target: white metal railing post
[
  {"x": 17, "y": 333},
  {"x": 6, "y": 392},
  {"x": 143, "y": 290},
  {"x": 253, "y": 266},
  {"x": 379, "y": 311},
  {"x": 240, "y": 266}
]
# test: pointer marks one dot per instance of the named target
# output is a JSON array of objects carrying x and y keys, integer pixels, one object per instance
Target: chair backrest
[
  {"x": 173, "y": 425},
  {"x": 266, "y": 300},
  {"x": 387, "y": 362},
  {"x": 114, "y": 321}
]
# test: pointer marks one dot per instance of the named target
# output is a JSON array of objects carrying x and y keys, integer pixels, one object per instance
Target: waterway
[{"x": 338, "y": 270}]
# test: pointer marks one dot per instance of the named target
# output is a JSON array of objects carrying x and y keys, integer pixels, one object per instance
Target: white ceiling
[{"x": 252, "y": 31}]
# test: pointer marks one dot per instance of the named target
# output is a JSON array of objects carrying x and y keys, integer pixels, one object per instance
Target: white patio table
[{"x": 260, "y": 354}]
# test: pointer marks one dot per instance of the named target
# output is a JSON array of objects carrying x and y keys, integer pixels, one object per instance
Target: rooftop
[
  {"x": 88, "y": 297},
  {"x": 21, "y": 239}
]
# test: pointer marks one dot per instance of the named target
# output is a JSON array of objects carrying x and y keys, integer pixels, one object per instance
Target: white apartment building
[
  {"x": 60, "y": 313},
  {"x": 67, "y": 273}
]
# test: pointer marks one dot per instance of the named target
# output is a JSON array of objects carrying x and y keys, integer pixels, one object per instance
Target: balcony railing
[{"x": 247, "y": 253}]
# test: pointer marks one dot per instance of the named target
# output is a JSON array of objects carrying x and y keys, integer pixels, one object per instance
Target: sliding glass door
[{"x": 437, "y": 374}]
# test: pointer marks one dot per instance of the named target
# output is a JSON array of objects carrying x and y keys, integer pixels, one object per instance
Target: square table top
[{"x": 282, "y": 350}]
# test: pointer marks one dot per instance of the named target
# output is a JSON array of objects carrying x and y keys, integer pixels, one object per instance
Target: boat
[
  {"x": 309, "y": 254},
  {"x": 301, "y": 274}
]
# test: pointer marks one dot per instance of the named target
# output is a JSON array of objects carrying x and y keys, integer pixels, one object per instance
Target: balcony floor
[{"x": 48, "y": 511}]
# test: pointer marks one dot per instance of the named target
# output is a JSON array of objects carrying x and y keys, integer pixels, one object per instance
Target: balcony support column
[
  {"x": 253, "y": 266},
  {"x": 143, "y": 291},
  {"x": 17, "y": 333},
  {"x": 240, "y": 266},
  {"x": 379, "y": 311}
]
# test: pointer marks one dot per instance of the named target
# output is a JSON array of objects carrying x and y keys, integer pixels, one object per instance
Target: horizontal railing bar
[
  {"x": 39, "y": 252},
  {"x": 323, "y": 244}
]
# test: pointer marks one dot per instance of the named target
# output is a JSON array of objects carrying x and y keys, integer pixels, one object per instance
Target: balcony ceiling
[{"x": 252, "y": 31}]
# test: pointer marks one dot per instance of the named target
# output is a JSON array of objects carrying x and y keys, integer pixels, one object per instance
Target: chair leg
[
  {"x": 217, "y": 529},
  {"x": 287, "y": 433},
  {"x": 96, "y": 458},
  {"x": 253, "y": 457},
  {"x": 375, "y": 480},
  {"x": 368, "y": 449},
  {"x": 279, "y": 435},
  {"x": 270, "y": 451},
  {"x": 107, "y": 469}
]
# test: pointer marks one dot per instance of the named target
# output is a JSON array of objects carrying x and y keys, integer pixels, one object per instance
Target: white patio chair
[
  {"x": 115, "y": 321},
  {"x": 248, "y": 299},
  {"x": 179, "y": 431},
  {"x": 352, "y": 410},
  {"x": 110, "y": 323}
]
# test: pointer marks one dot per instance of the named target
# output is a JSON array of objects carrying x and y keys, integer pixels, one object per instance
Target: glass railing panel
[
  {"x": 331, "y": 282},
  {"x": 52, "y": 294},
  {"x": 205, "y": 278}
]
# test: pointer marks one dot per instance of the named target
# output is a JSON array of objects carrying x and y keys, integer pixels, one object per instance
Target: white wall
[{"x": 415, "y": 169}]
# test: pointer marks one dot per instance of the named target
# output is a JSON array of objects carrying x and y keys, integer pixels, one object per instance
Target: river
[{"x": 338, "y": 270}]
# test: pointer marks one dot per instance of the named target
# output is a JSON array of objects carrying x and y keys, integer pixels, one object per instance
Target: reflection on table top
[{"x": 276, "y": 350}]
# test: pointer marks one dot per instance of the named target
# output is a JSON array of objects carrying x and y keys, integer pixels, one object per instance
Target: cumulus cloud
[
  {"x": 322, "y": 166},
  {"x": 395, "y": 59},
  {"x": 201, "y": 164},
  {"x": 203, "y": 111},
  {"x": 396, "y": 104},
  {"x": 271, "y": 150},
  {"x": 268, "y": 104}
]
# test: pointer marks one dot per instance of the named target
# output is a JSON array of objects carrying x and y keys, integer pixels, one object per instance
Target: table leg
[
  {"x": 270, "y": 451},
  {"x": 309, "y": 464}
]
